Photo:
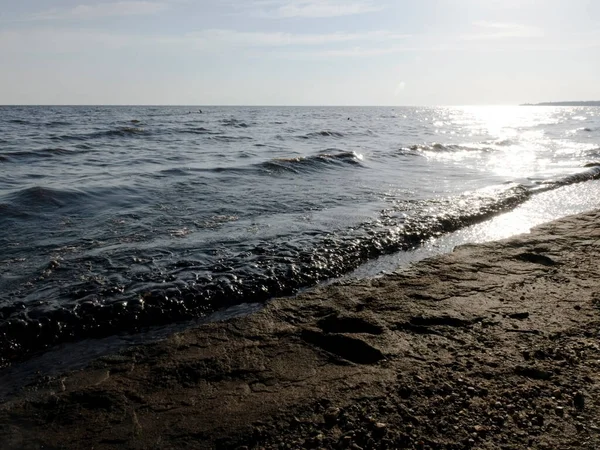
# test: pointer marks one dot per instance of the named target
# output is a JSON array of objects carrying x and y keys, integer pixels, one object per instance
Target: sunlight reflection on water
[{"x": 541, "y": 208}]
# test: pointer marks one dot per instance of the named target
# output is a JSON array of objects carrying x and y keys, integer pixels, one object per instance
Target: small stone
[
  {"x": 331, "y": 415},
  {"x": 380, "y": 429},
  {"x": 519, "y": 315},
  {"x": 557, "y": 393},
  {"x": 560, "y": 411},
  {"x": 579, "y": 400}
]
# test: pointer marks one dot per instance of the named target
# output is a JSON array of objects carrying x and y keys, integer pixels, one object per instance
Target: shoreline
[{"x": 492, "y": 346}]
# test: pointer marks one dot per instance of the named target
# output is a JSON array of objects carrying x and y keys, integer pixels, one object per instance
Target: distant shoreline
[{"x": 567, "y": 103}]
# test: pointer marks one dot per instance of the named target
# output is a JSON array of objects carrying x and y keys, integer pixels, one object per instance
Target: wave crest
[
  {"x": 322, "y": 134},
  {"x": 310, "y": 163}
]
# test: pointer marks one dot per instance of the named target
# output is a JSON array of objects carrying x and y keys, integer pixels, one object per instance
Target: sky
[{"x": 299, "y": 52}]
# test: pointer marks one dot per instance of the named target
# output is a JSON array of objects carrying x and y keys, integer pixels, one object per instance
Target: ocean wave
[
  {"x": 229, "y": 138},
  {"x": 264, "y": 271},
  {"x": 120, "y": 132},
  {"x": 44, "y": 203},
  {"x": 592, "y": 164},
  {"x": 172, "y": 114},
  {"x": 58, "y": 123},
  {"x": 39, "y": 197},
  {"x": 39, "y": 153},
  {"x": 449, "y": 148},
  {"x": 214, "y": 213},
  {"x": 593, "y": 153},
  {"x": 198, "y": 130},
  {"x": 322, "y": 134},
  {"x": 500, "y": 142},
  {"x": 315, "y": 162},
  {"x": 186, "y": 171},
  {"x": 116, "y": 133},
  {"x": 593, "y": 173},
  {"x": 235, "y": 123},
  {"x": 11, "y": 211},
  {"x": 298, "y": 164}
]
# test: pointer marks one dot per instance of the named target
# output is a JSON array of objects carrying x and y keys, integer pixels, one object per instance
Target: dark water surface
[{"x": 115, "y": 219}]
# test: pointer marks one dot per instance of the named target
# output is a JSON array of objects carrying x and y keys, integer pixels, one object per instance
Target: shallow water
[{"x": 114, "y": 219}]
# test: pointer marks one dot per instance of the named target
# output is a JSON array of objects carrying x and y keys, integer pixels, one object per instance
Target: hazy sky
[{"x": 315, "y": 52}]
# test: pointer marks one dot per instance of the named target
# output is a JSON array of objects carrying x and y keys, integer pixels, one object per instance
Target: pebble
[
  {"x": 579, "y": 400},
  {"x": 331, "y": 415}
]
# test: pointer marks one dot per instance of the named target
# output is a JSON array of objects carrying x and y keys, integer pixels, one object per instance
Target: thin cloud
[
  {"x": 315, "y": 8},
  {"x": 358, "y": 52},
  {"x": 495, "y": 30},
  {"x": 278, "y": 39},
  {"x": 57, "y": 41},
  {"x": 101, "y": 10},
  {"x": 292, "y": 46},
  {"x": 70, "y": 40}
]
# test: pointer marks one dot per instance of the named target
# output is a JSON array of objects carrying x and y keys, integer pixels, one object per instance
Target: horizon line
[
  {"x": 543, "y": 103},
  {"x": 259, "y": 105}
]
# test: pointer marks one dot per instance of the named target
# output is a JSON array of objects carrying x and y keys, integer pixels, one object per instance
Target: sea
[{"x": 123, "y": 222}]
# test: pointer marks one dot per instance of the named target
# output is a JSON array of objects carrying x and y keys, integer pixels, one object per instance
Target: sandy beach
[{"x": 493, "y": 346}]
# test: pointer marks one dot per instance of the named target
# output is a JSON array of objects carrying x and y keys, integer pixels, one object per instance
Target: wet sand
[{"x": 492, "y": 346}]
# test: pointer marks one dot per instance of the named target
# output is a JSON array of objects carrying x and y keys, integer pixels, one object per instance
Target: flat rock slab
[{"x": 492, "y": 346}]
